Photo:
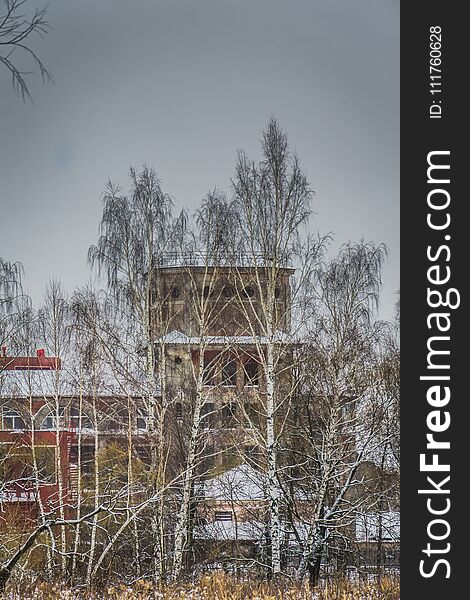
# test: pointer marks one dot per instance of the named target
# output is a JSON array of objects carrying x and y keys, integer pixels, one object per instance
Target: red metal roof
[{"x": 30, "y": 363}]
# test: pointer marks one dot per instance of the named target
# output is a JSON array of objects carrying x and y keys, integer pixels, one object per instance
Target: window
[
  {"x": 248, "y": 292},
  {"x": 208, "y": 375},
  {"x": 12, "y": 420},
  {"x": 87, "y": 455},
  {"x": 18, "y": 464},
  {"x": 251, "y": 372},
  {"x": 229, "y": 372},
  {"x": 75, "y": 419},
  {"x": 206, "y": 292},
  {"x": 277, "y": 293},
  {"x": 141, "y": 422},
  {"x": 208, "y": 461},
  {"x": 249, "y": 451},
  {"x": 46, "y": 463},
  {"x": 5, "y": 451},
  {"x": 228, "y": 292},
  {"x": 178, "y": 360},
  {"x": 223, "y": 515},
  {"x": 252, "y": 414},
  {"x": 229, "y": 420},
  {"x": 175, "y": 293},
  {"x": 207, "y": 415},
  {"x": 120, "y": 420},
  {"x": 179, "y": 410},
  {"x": 50, "y": 420}
]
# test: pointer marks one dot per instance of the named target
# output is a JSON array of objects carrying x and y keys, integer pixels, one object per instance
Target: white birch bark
[
  {"x": 181, "y": 530},
  {"x": 78, "y": 529},
  {"x": 271, "y": 450},
  {"x": 94, "y": 523}
]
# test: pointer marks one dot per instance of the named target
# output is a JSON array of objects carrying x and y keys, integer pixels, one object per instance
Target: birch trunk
[
  {"x": 181, "y": 531},
  {"x": 271, "y": 450},
  {"x": 60, "y": 486},
  {"x": 94, "y": 523},
  {"x": 37, "y": 487},
  {"x": 76, "y": 543}
]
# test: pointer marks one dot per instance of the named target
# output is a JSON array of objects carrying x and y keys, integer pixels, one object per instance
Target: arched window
[
  {"x": 228, "y": 292},
  {"x": 12, "y": 420},
  {"x": 118, "y": 420},
  {"x": 50, "y": 420},
  {"x": 76, "y": 422}
]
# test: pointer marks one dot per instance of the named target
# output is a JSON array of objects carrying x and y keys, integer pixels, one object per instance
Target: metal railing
[{"x": 194, "y": 258}]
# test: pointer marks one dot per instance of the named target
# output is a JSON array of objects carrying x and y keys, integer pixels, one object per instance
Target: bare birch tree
[
  {"x": 54, "y": 333},
  {"x": 203, "y": 263},
  {"x": 273, "y": 199},
  {"x": 337, "y": 421},
  {"x": 16, "y": 31},
  {"x": 135, "y": 232},
  {"x": 15, "y": 308}
]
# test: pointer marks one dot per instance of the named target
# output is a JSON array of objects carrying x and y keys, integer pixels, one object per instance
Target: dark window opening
[
  {"x": 251, "y": 371},
  {"x": 178, "y": 360},
  {"x": 75, "y": 420},
  {"x": 248, "y": 292},
  {"x": 228, "y": 291},
  {"x": 175, "y": 293},
  {"x": 53, "y": 419},
  {"x": 143, "y": 454},
  {"x": 46, "y": 463},
  {"x": 249, "y": 451},
  {"x": 208, "y": 461},
  {"x": 229, "y": 418},
  {"x": 252, "y": 414},
  {"x": 178, "y": 410},
  {"x": 206, "y": 292},
  {"x": 141, "y": 422},
  {"x": 208, "y": 375},
  {"x": 229, "y": 373},
  {"x": 120, "y": 420},
  {"x": 87, "y": 456},
  {"x": 18, "y": 464},
  {"x": 207, "y": 415},
  {"x": 12, "y": 420},
  {"x": 277, "y": 293},
  {"x": 224, "y": 515}
]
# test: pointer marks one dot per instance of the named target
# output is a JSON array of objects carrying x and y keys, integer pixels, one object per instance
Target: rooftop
[
  {"x": 238, "y": 260},
  {"x": 179, "y": 338}
]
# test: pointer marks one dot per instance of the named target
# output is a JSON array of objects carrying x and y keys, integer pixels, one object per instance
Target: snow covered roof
[
  {"x": 38, "y": 384},
  {"x": 63, "y": 383},
  {"x": 177, "y": 337},
  {"x": 253, "y": 530},
  {"x": 238, "y": 484}
]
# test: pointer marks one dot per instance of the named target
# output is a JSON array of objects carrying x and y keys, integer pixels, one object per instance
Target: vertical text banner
[{"x": 435, "y": 253}]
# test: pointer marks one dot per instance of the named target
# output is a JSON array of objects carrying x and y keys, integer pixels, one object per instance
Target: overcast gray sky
[{"x": 180, "y": 85}]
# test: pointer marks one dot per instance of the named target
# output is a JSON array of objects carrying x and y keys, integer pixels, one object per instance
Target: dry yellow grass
[{"x": 217, "y": 586}]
